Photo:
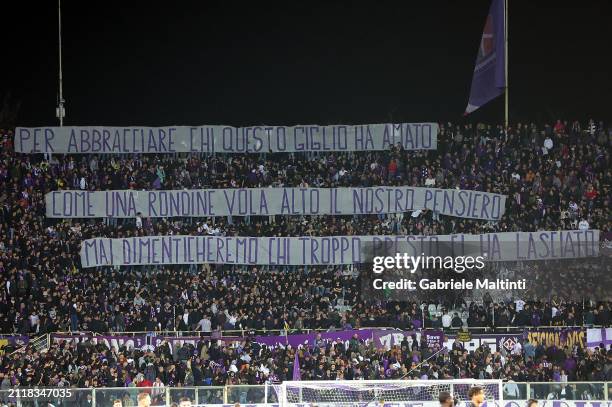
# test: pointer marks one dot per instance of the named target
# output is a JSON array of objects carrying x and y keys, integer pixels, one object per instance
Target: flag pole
[
  {"x": 506, "y": 62},
  {"x": 60, "y": 108}
]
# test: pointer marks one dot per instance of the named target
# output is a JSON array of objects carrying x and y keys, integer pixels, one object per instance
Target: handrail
[
  {"x": 246, "y": 332},
  {"x": 458, "y": 381},
  {"x": 242, "y": 393}
]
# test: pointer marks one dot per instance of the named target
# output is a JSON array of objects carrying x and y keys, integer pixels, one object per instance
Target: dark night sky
[{"x": 237, "y": 63}]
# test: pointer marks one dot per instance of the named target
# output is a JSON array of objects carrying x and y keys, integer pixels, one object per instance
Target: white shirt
[
  {"x": 432, "y": 309},
  {"x": 512, "y": 389},
  {"x": 34, "y": 320},
  {"x": 139, "y": 301},
  {"x": 520, "y": 304},
  {"x": 548, "y": 143},
  {"x": 205, "y": 325},
  {"x": 446, "y": 320},
  {"x": 554, "y": 311},
  {"x": 517, "y": 348},
  {"x": 159, "y": 386},
  {"x": 583, "y": 225}
]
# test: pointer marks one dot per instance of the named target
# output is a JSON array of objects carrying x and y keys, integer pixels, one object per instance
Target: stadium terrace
[
  {"x": 383, "y": 262},
  {"x": 49, "y": 289}
]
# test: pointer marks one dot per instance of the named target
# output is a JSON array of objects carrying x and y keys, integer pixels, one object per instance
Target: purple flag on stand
[
  {"x": 489, "y": 80},
  {"x": 296, "y": 367}
]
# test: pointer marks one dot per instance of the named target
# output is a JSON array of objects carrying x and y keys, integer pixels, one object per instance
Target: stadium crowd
[
  {"x": 247, "y": 362},
  {"x": 244, "y": 299},
  {"x": 555, "y": 176}
]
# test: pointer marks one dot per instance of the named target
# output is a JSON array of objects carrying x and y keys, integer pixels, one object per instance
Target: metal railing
[
  {"x": 262, "y": 394},
  {"x": 41, "y": 343},
  {"x": 281, "y": 332},
  {"x": 558, "y": 390}
]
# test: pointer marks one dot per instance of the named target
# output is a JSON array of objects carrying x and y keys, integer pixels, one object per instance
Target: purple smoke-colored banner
[
  {"x": 381, "y": 338},
  {"x": 16, "y": 340},
  {"x": 114, "y": 341}
]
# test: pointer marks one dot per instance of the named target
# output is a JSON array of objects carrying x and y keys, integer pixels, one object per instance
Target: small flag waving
[
  {"x": 489, "y": 80},
  {"x": 297, "y": 375}
]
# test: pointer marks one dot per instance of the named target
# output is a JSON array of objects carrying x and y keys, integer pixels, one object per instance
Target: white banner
[
  {"x": 307, "y": 250},
  {"x": 224, "y": 139},
  {"x": 599, "y": 336},
  {"x": 273, "y": 201}
]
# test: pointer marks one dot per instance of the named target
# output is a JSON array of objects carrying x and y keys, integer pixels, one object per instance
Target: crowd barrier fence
[
  {"x": 253, "y": 332},
  {"x": 264, "y": 394}
]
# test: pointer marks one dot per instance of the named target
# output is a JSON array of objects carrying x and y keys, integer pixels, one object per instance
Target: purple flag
[
  {"x": 489, "y": 79},
  {"x": 297, "y": 375}
]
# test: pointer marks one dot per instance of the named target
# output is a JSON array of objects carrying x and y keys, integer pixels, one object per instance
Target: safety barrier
[{"x": 587, "y": 392}]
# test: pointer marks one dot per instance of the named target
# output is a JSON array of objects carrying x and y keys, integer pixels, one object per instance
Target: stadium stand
[{"x": 557, "y": 177}]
